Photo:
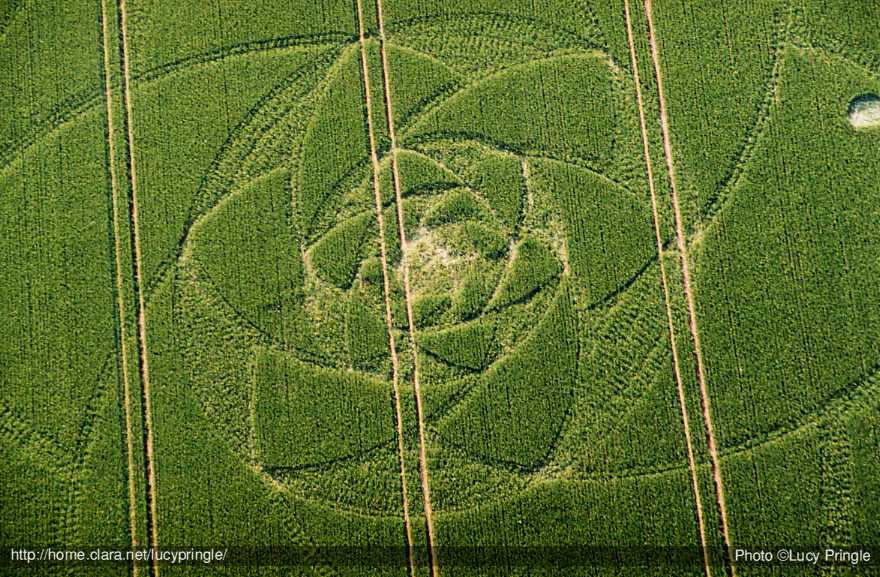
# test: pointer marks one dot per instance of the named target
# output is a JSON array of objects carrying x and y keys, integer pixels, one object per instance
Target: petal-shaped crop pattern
[{"x": 515, "y": 220}]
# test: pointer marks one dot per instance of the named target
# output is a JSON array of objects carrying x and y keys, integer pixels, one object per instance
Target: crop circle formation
[{"x": 492, "y": 289}]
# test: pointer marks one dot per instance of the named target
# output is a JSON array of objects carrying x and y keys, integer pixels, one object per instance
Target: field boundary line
[
  {"x": 386, "y": 284},
  {"x": 681, "y": 243},
  {"x": 137, "y": 264},
  {"x": 120, "y": 301},
  {"x": 676, "y": 367},
  {"x": 398, "y": 195}
]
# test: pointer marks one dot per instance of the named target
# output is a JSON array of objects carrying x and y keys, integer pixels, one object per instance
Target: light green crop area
[{"x": 440, "y": 287}]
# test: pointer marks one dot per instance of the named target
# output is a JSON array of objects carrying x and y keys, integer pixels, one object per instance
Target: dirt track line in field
[
  {"x": 688, "y": 291},
  {"x": 143, "y": 357},
  {"x": 120, "y": 301},
  {"x": 676, "y": 366},
  {"x": 389, "y": 321},
  {"x": 398, "y": 195}
]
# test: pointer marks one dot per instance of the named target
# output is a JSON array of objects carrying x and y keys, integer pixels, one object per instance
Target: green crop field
[{"x": 440, "y": 287}]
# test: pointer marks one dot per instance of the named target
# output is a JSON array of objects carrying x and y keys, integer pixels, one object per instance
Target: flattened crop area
[{"x": 423, "y": 288}]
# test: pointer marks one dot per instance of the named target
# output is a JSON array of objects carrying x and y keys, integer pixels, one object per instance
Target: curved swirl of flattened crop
[
  {"x": 812, "y": 84},
  {"x": 479, "y": 42},
  {"x": 80, "y": 104},
  {"x": 790, "y": 33},
  {"x": 721, "y": 196}
]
